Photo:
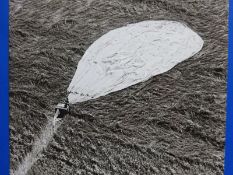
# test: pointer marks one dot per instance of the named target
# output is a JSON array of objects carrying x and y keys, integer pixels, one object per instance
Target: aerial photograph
[{"x": 117, "y": 87}]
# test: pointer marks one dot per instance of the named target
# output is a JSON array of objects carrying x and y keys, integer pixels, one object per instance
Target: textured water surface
[{"x": 173, "y": 123}]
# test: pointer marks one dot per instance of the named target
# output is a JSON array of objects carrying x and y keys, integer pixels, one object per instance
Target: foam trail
[{"x": 39, "y": 145}]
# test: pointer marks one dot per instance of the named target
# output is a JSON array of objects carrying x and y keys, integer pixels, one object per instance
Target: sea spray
[{"x": 39, "y": 145}]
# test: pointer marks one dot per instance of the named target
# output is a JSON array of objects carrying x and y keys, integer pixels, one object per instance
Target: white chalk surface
[{"x": 131, "y": 54}]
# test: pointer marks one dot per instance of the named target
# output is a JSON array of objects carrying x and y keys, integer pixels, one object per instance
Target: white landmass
[{"x": 131, "y": 54}]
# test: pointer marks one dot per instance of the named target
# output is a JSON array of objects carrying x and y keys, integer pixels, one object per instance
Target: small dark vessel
[{"x": 61, "y": 110}]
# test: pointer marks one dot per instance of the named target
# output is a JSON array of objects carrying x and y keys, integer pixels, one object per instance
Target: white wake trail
[{"x": 39, "y": 145}]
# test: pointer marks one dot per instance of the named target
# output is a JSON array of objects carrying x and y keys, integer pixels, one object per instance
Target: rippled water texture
[{"x": 172, "y": 123}]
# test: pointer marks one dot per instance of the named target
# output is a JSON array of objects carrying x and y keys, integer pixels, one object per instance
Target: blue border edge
[
  {"x": 4, "y": 85},
  {"x": 228, "y": 167}
]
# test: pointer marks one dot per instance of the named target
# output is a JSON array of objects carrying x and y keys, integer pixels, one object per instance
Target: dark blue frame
[
  {"x": 4, "y": 97},
  {"x": 228, "y": 167}
]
